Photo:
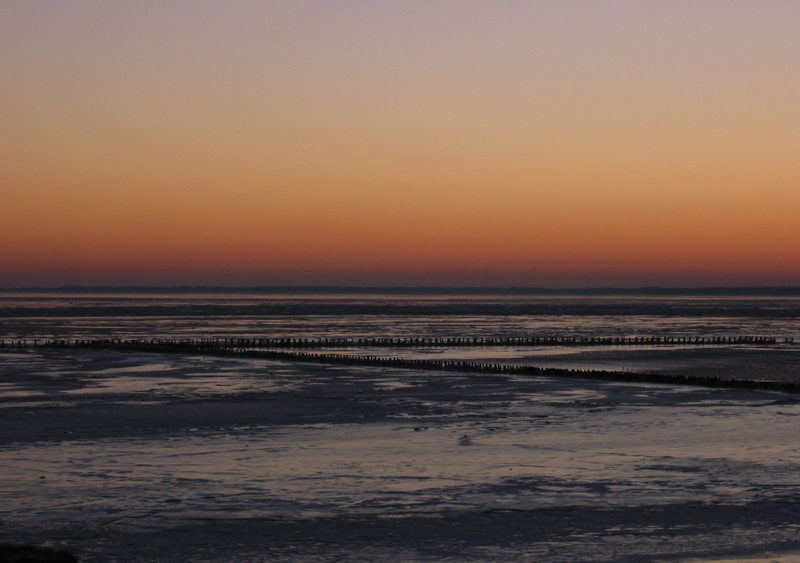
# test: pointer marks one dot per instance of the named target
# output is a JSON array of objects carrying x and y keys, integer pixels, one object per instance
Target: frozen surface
[{"x": 151, "y": 457}]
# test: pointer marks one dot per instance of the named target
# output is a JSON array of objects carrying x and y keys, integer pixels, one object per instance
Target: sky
[{"x": 464, "y": 143}]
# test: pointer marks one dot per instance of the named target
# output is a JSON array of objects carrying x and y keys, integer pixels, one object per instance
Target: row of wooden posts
[
  {"x": 413, "y": 342},
  {"x": 251, "y": 348}
]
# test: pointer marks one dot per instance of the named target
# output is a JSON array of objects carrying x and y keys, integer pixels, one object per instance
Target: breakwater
[
  {"x": 263, "y": 349},
  {"x": 414, "y": 342}
]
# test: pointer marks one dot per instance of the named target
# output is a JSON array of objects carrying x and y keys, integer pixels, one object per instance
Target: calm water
[
  {"x": 124, "y": 457},
  {"x": 49, "y": 315}
]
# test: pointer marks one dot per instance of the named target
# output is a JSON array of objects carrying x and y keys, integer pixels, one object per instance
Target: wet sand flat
[{"x": 148, "y": 456}]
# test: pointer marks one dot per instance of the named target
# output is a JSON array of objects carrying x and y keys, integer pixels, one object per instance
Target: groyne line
[
  {"x": 418, "y": 342},
  {"x": 224, "y": 347}
]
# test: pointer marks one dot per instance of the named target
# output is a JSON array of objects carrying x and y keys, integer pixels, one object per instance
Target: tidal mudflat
[
  {"x": 122, "y": 456},
  {"x": 163, "y": 457}
]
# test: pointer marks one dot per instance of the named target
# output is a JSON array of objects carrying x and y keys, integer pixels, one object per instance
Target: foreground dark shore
[{"x": 654, "y": 534}]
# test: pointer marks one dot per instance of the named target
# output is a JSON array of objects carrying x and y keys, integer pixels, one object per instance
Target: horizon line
[{"x": 782, "y": 290}]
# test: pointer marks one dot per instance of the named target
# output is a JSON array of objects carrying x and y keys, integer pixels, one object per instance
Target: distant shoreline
[{"x": 754, "y": 291}]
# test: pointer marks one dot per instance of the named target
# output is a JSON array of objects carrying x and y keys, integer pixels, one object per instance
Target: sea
[{"x": 141, "y": 455}]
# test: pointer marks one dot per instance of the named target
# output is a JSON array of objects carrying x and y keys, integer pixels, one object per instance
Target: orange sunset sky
[{"x": 542, "y": 143}]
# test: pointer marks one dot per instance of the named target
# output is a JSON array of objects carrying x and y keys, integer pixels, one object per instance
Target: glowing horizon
[{"x": 514, "y": 143}]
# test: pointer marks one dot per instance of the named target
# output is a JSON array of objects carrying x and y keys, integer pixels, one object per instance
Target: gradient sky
[{"x": 357, "y": 142}]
